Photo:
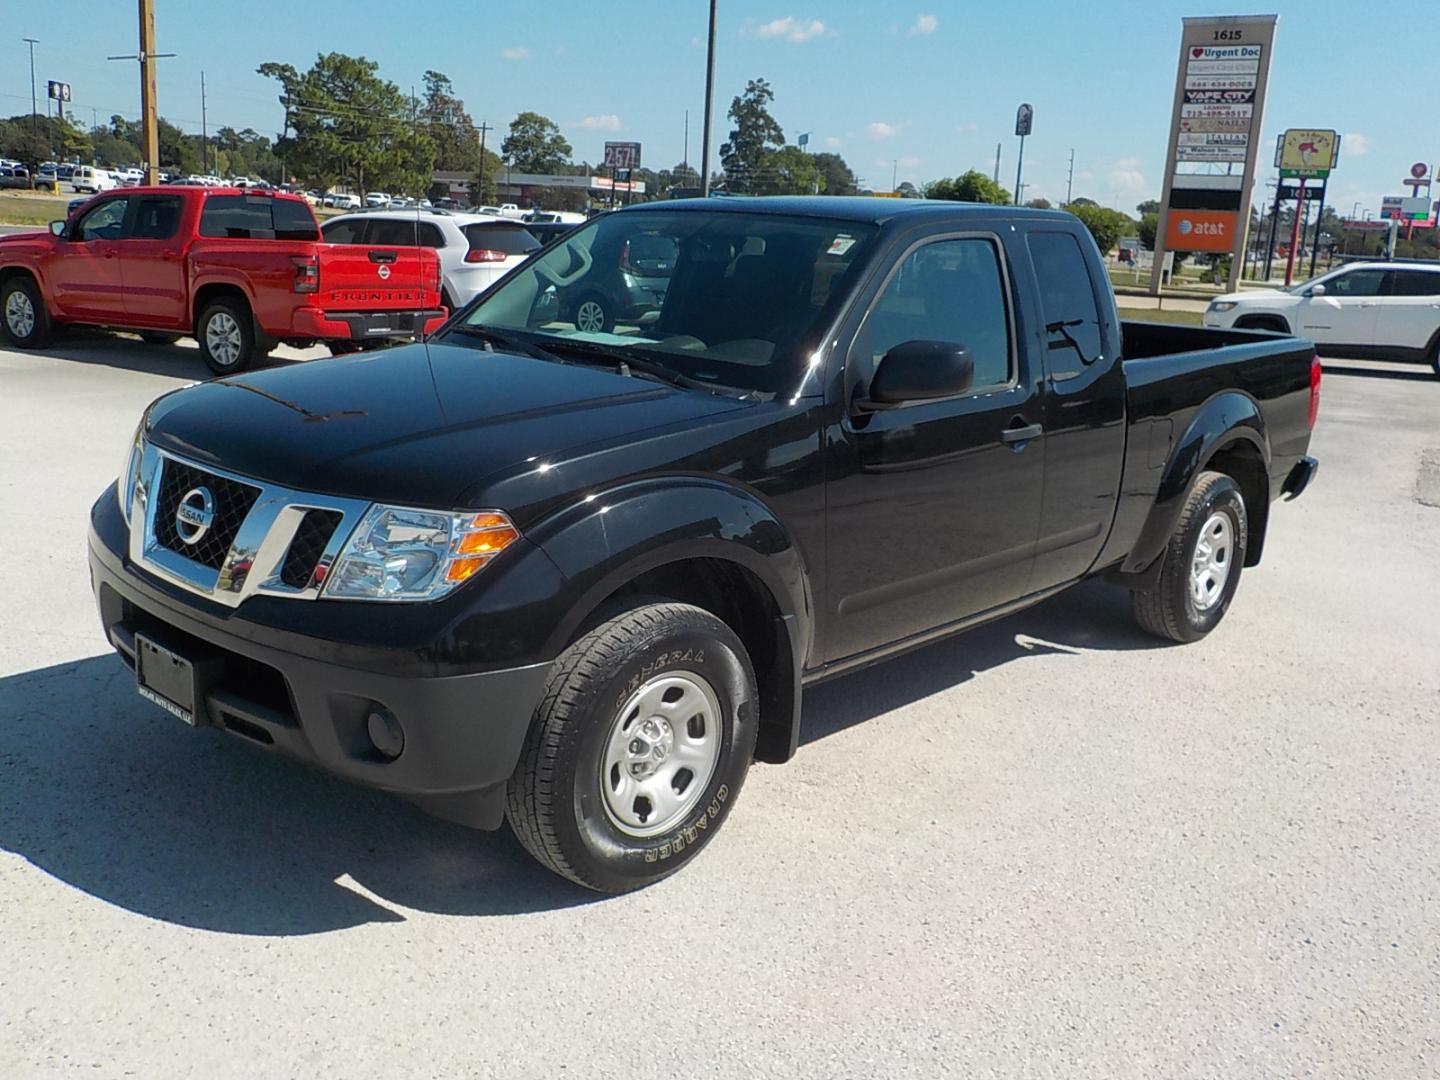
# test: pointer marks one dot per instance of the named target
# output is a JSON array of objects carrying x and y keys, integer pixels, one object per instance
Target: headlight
[
  {"x": 1221, "y": 305},
  {"x": 130, "y": 475},
  {"x": 397, "y": 553}
]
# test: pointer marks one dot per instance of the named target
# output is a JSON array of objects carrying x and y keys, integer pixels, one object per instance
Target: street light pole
[
  {"x": 149, "y": 115},
  {"x": 34, "y": 106},
  {"x": 709, "y": 105}
]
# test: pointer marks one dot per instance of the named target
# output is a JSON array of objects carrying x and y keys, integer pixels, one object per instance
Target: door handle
[
  {"x": 382, "y": 256},
  {"x": 1021, "y": 434}
]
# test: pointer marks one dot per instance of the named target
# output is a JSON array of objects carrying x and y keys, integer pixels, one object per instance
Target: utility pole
[
  {"x": 709, "y": 106},
  {"x": 685, "y": 159},
  {"x": 1070, "y": 179},
  {"x": 34, "y": 106},
  {"x": 894, "y": 172},
  {"x": 996, "y": 177},
  {"x": 480, "y": 179},
  {"x": 204, "y": 130},
  {"x": 149, "y": 114}
]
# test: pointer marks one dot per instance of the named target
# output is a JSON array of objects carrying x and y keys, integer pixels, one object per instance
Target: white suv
[
  {"x": 1367, "y": 311},
  {"x": 475, "y": 250}
]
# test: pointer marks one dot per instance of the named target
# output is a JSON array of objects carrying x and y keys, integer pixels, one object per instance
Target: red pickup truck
[{"x": 240, "y": 271}]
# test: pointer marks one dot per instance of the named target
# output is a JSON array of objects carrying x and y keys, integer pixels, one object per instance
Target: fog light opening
[{"x": 386, "y": 734}]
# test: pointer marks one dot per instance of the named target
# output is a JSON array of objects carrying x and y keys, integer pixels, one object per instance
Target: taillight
[
  {"x": 625, "y": 258},
  {"x": 484, "y": 255},
  {"x": 1315, "y": 373},
  {"x": 307, "y": 273}
]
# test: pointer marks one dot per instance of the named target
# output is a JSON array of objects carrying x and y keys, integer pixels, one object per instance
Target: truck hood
[{"x": 417, "y": 425}]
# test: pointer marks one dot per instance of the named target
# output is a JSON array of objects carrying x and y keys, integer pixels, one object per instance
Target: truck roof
[{"x": 861, "y": 208}]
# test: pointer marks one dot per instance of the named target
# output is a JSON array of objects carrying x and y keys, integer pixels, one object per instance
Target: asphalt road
[{"x": 1049, "y": 848}]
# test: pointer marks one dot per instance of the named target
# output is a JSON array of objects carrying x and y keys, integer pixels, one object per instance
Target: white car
[
  {"x": 377, "y": 199},
  {"x": 1366, "y": 311},
  {"x": 555, "y": 217},
  {"x": 91, "y": 181},
  {"x": 341, "y": 201},
  {"x": 475, "y": 250}
]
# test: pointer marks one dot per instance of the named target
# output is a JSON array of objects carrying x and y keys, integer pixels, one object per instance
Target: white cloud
[
  {"x": 833, "y": 142},
  {"x": 697, "y": 43},
  {"x": 908, "y": 162},
  {"x": 925, "y": 25},
  {"x": 608, "y": 122},
  {"x": 881, "y": 130},
  {"x": 1355, "y": 144},
  {"x": 1124, "y": 177},
  {"x": 791, "y": 29},
  {"x": 967, "y": 127},
  {"x": 516, "y": 52}
]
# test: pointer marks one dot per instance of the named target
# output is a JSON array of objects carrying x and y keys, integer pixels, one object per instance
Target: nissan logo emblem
[
  {"x": 194, "y": 515},
  {"x": 384, "y": 272}
]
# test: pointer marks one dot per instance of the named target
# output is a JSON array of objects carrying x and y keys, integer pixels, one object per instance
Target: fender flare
[{"x": 1228, "y": 418}]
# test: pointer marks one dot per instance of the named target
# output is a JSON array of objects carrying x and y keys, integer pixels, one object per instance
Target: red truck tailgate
[{"x": 367, "y": 277}]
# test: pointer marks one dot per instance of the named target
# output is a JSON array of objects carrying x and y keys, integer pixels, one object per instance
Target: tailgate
[{"x": 371, "y": 277}]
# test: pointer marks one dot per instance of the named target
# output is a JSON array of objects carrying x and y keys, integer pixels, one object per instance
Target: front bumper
[{"x": 462, "y": 733}]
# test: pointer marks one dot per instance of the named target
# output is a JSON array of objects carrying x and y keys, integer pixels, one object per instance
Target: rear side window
[
  {"x": 156, "y": 217},
  {"x": 395, "y": 232},
  {"x": 1356, "y": 283},
  {"x": 257, "y": 217},
  {"x": 1414, "y": 283},
  {"x": 511, "y": 239},
  {"x": 344, "y": 231},
  {"x": 1067, "y": 300}
]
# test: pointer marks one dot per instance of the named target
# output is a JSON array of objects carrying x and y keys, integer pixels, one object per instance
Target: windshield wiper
[
  {"x": 493, "y": 337},
  {"x": 627, "y": 360}
]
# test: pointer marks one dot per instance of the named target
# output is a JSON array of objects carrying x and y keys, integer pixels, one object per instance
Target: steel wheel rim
[
  {"x": 660, "y": 754},
  {"x": 19, "y": 314},
  {"x": 222, "y": 339},
  {"x": 590, "y": 317},
  {"x": 1211, "y": 563}
]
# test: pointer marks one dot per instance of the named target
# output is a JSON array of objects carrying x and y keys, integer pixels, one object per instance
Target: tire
[
  {"x": 1172, "y": 607},
  {"x": 1435, "y": 357},
  {"x": 24, "y": 321},
  {"x": 154, "y": 337},
  {"x": 593, "y": 314},
  {"x": 570, "y": 802},
  {"x": 226, "y": 333}
]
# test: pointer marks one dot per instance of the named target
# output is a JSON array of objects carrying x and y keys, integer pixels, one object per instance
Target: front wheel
[
  {"x": 1435, "y": 358},
  {"x": 638, "y": 748},
  {"x": 227, "y": 337},
  {"x": 1202, "y": 563},
  {"x": 23, "y": 314},
  {"x": 593, "y": 315}
]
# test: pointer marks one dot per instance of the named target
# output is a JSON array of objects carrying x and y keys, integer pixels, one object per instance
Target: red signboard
[{"x": 1201, "y": 230}]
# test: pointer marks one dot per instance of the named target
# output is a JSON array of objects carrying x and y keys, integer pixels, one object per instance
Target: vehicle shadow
[
  {"x": 1418, "y": 374},
  {"x": 116, "y": 798},
  {"x": 127, "y": 351},
  {"x": 1093, "y": 615}
]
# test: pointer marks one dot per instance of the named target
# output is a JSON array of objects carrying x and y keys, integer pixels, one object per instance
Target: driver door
[
  {"x": 1347, "y": 313},
  {"x": 84, "y": 270}
]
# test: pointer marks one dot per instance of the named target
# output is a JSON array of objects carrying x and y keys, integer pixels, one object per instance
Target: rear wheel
[
  {"x": 1435, "y": 357},
  {"x": 23, "y": 316},
  {"x": 593, "y": 314},
  {"x": 226, "y": 336},
  {"x": 1202, "y": 563},
  {"x": 638, "y": 748}
]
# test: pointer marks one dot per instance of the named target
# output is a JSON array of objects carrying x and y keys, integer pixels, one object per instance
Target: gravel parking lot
[{"x": 1051, "y": 847}]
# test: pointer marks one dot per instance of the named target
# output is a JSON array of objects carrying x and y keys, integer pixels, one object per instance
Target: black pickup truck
[{"x": 579, "y": 578}]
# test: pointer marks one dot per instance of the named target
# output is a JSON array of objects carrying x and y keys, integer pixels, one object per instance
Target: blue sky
[{"x": 931, "y": 86}]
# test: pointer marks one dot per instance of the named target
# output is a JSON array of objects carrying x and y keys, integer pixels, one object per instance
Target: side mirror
[
  {"x": 920, "y": 371},
  {"x": 1316, "y": 290},
  {"x": 57, "y": 228}
]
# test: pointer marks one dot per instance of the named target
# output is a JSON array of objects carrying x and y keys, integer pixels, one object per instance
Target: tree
[
  {"x": 348, "y": 123},
  {"x": 1083, "y": 201},
  {"x": 684, "y": 175},
  {"x": 535, "y": 145},
  {"x": 756, "y": 132},
  {"x": 1149, "y": 206},
  {"x": 457, "y": 142},
  {"x": 1105, "y": 225},
  {"x": 1038, "y": 204},
  {"x": 1149, "y": 223},
  {"x": 836, "y": 177},
  {"x": 973, "y": 186},
  {"x": 787, "y": 171}
]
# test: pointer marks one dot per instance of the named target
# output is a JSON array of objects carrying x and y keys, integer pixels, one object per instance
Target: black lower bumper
[
  {"x": 462, "y": 734},
  {"x": 1299, "y": 477},
  {"x": 370, "y": 325}
]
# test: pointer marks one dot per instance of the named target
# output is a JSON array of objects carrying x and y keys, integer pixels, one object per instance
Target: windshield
[{"x": 733, "y": 299}]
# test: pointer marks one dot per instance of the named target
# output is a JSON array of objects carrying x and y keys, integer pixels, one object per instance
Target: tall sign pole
[
  {"x": 149, "y": 116},
  {"x": 1024, "y": 121},
  {"x": 709, "y": 105},
  {"x": 1216, "y": 120}
]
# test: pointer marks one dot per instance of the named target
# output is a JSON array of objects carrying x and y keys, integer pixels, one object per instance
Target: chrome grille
[
  {"x": 232, "y": 499},
  {"x": 315, "y": 531}
]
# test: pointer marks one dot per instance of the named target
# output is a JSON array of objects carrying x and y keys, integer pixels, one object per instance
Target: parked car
[
  {"x": 554, "y": 217},
  {"x": 626, "y": 282},
  {"x": 510, "y": 210},
  {"x": 75, "y": 204},
  {"x": 91, "y": 180},
  {"x": 580, "y": 581},
  {"x": 475, "y": 251},
  {"x": 242, "y": 272},
  {"x": 15, "y": 176},
  {"x": 376, "y": 198},
  {"x": 548, "y": 231},
  {"x": 1376, "y": 311}
]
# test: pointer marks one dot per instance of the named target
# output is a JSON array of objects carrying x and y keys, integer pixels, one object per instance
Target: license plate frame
[{"x": 165, "y": 678}]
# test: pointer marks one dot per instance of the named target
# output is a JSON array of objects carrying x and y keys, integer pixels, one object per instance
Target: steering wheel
[{"x": 564, "y": 280}]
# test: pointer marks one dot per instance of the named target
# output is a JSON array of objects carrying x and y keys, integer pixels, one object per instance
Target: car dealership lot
[{"x": 1049, "y": 847}]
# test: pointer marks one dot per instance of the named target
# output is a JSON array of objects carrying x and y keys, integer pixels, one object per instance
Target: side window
[
  {"x": 156, "y": 217},
  {"x": 1414, "y": 283},
  {"x": 430, "y": 236},
  {"x": 1067, "y": 302},
  {"x": 392, "y": 232},
  {"x": 105, "y": 222},
  {"x": 1356, "y": 283},
  {"x": 293, "y": 220},
  {"x": 950, "y": 290},
  {"x": 344, "y": 231},
  {"x": 242, "y": 217}
]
